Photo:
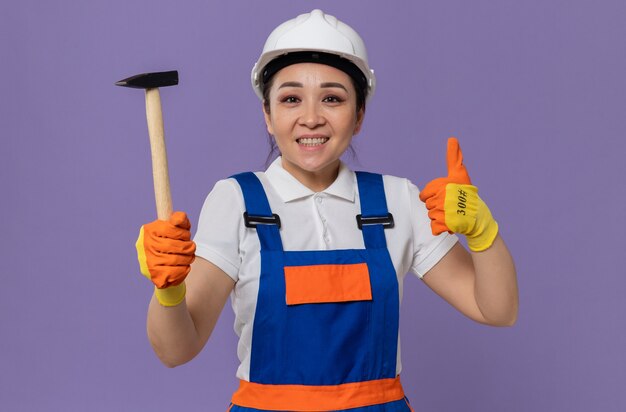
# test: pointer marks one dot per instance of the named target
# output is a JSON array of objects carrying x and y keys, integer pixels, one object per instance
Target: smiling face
[{"x": 313, "y": 117}]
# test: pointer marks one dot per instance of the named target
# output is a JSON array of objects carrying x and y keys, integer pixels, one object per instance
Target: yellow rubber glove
[
  {"x": 454, "y": 205},
  {"x": 165, "y": 252}
]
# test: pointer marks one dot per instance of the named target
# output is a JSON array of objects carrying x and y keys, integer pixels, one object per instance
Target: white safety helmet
[{"x": 314, "y": 32}]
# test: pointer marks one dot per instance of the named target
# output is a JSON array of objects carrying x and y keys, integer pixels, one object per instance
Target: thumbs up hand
[{"x": 454, "y": 205}]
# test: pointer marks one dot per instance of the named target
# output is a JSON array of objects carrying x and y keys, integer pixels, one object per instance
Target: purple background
[{"x": 535, "y": 91}]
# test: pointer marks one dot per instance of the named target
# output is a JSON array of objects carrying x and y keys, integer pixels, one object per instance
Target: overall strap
[
  {"x": 258, "y": 213},
  {"x": 374, "y": 217}
]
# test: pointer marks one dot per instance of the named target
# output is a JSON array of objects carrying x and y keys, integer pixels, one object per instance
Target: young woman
[{"x": 313, "y": 254}]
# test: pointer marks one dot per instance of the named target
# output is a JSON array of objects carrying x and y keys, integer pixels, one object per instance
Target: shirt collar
[{"x": 289, "y": 188}]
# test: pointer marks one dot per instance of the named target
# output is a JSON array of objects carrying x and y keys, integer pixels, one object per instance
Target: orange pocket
[{"x": 327, "y": 283}]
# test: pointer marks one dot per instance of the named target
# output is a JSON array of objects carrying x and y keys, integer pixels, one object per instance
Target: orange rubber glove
[
  {"x": 454, "y": 205},
  {"x": 165, "y": 252}
]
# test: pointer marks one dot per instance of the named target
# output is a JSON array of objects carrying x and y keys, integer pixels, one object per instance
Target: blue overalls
[{"x": 325, "y": 333}]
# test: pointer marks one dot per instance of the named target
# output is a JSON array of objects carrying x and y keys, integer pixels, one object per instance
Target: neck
[{"x": 317, "y": 181}]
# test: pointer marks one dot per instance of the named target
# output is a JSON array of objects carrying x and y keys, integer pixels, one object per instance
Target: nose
[{"x": 312, "y": 115}]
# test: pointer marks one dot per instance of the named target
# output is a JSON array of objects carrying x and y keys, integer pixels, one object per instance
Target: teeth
[{"x": 312, "y": 141}]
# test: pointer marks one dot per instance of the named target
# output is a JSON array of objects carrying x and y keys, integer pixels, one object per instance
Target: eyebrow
[
  {"x": 291, "y": 84},
  {"x": 323, "y": 85},
  {"x": 331, "y": 84}
]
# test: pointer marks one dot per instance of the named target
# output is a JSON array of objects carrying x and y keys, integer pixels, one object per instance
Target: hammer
[{"x": 151, "y": 83}]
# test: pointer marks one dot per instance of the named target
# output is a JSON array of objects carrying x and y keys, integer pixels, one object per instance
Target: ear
[
  {"x": 268, "y": 119},
  {"x": 359, "y": 121}
]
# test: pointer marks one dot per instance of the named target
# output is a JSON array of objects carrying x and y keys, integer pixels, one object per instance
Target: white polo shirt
[{"x": 309, "y": 221}]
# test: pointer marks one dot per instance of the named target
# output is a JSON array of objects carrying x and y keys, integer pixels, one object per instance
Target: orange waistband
[{"x": 319, "y": 398}]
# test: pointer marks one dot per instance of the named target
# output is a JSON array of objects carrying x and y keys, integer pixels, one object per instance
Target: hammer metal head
[{"x": 150, "y": 80}]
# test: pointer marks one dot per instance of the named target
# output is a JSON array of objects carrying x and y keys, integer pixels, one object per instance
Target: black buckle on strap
[
  {"x": 254, "y": 221},
  {"x": 386, "y": 221}
]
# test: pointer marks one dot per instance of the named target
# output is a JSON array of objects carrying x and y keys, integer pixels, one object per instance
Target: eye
[
  {"x": 333, "y": 99},
  {"x": 289, "y": 99}
]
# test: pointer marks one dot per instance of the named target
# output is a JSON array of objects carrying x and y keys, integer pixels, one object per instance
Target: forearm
[
  {"x": 495, "y": 286},
  {"x": 172, "y": 333},
  {"x": 178, "y": 333}
]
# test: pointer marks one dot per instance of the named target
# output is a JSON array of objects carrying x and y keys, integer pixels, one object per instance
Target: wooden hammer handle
[{"x": 159, "y": 154}]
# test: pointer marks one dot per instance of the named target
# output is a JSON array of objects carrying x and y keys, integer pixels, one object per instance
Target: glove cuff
[
  {"x": 171, "y": 296},
  {"x": 485, "y": 238}
]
